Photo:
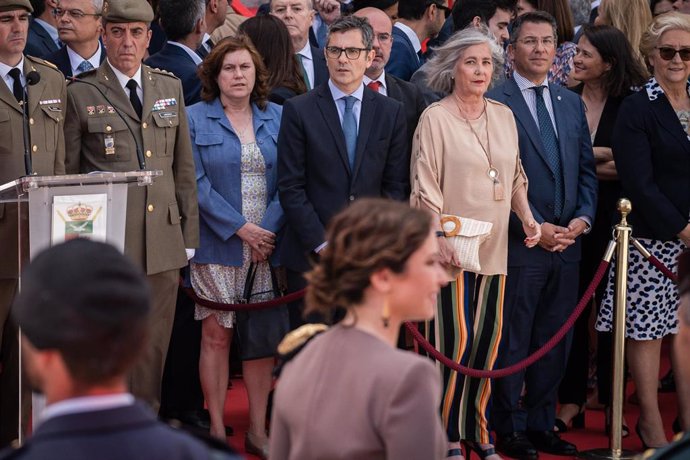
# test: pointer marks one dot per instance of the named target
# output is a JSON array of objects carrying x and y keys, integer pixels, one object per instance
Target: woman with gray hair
[{"x": 466, "y": 165}]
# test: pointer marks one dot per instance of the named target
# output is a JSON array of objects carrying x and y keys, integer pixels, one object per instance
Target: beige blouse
[{"x": 449, "y": 172}]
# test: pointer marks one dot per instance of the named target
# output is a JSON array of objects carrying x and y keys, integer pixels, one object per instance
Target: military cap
[
  {"x": 127, "y": 11},
  {"x": 9, "y": 5},
  {"x": 77, "y": 292},
  {"x": 684, "y": 271}
]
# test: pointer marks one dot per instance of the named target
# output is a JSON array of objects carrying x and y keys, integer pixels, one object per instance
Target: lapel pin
[{"x": 559, "y": 98}]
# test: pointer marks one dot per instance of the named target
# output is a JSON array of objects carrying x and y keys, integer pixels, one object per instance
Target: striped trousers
[{"x": 467, "y": 329}]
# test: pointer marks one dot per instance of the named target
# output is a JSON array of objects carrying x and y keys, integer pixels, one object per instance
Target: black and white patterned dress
[{"x": 652, "y": 298}]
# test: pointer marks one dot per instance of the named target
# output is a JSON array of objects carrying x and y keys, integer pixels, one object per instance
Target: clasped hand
[
  {"x": 555, "y": 238},
  {"x": 261, "y": 241}
]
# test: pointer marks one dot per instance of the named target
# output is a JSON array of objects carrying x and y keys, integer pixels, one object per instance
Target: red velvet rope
[
  {"x": 663, "y": 268},
  {"x": 534, "y": 357},
  {"x": 242, "y": 306}
]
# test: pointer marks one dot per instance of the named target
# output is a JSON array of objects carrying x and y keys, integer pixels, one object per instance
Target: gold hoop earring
[{"x": 386, "y": 312}]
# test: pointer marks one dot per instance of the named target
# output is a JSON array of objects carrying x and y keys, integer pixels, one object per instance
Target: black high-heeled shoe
[
  {"x": 577, "y": 422},
  {"x": 473, "y": 446}
]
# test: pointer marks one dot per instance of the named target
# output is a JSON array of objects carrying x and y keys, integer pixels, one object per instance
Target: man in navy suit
[
  {"x": 43, "y": 35},
  {"x": 337, "y": 143},
  {"x": 298, "y": 16},
  {"x": 183, "y": 23},
  {"x": 84, "y": 315},
  {"x": 389, "y": 85},
  {"x": 541, "y": 288},
  {"x": 418, "y": 20},
  {"x": 79, "y": 28},
  {"x": 216, "y": 10}
]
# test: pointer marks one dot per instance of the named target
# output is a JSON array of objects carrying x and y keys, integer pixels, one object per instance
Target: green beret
[
  {"x": 10, "y": 5},
  {"x": 127, "y": 11}
]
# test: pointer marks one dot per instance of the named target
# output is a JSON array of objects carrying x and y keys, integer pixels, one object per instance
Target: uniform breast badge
[{"x": 109, "y": 145}]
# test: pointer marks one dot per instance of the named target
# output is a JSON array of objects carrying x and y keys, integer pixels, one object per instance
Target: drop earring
[{"x": 385, "y": 313}]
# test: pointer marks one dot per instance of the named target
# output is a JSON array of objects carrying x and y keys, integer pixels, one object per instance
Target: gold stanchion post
[{"x": 623, "y": 232}]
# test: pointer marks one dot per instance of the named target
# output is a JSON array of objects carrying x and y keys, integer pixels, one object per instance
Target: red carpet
[{"x": 591, "y": 437}]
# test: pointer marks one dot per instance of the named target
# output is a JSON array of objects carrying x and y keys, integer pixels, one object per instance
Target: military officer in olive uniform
[
  {"x": 46, "y": 102},
  {"x": 162, "y": 219}
]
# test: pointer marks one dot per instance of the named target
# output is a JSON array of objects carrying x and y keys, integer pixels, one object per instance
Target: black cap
[
  {"x": 684, "y": 272},
  {"x": 78, "y": 292}
]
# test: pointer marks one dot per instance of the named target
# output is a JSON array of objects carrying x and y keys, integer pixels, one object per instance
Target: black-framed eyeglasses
[
  {"x": 442, "y": 7},
  {"x": 351, "y": 53},
  {"x": 73, "y": 13},
  {"x": 667, "y": 53}
]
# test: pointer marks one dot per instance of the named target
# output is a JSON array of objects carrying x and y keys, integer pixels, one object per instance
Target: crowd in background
[{"x": 527, "y": 118}]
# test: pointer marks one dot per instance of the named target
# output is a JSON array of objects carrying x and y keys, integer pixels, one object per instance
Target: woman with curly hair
[{"x": 350, "y": 393}]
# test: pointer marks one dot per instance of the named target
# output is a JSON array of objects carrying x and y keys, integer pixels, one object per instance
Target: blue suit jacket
[
  {"x": 112, "y": 434},
  {"x": 39, "y": 43},
  {"x": 314, "y": 176},
  {"x": 579, "y": 175},
  {"x": 217, "y": 156},
  {"x": 176, "y": 61},
  {"x": 404, "y": 60},
  {"x": 61, "y": 59},
  {"x": 652, "y": 153}
]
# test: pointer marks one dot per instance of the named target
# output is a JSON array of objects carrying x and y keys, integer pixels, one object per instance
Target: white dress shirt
[
  {"x": 383, "y": 89},
  {"x": 75, "y": 59},
  {"x": 123, "y": 79},
  {"x": 5, "y": 72}
]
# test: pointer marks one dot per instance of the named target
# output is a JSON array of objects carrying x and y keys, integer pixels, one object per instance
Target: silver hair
[
  {"x": 440, "y": 69},
  {"x": 98, "y": 6}
]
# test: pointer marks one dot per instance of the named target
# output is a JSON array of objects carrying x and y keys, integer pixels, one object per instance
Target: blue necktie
[
  {"x": 85, "y": 66},
  {"x": 550, "y": 142},
  {"x": 322, "y": 35},
  {"x": 350, "y": 129}
]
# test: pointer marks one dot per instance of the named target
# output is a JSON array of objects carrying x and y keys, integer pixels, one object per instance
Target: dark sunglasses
[
  {"x": 445, "y": 9},
  {"x": 667, "y": 53}
]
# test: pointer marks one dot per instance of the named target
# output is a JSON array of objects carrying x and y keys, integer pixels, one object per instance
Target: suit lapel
[
  {"x": 7, "y": 96},
  {"x": 367, "y": 115},
  {"x": 34, "y": 92},
  {"x": 524, "y": 117},
  {"x": 393, "y": 89},
  {"x": 559, "y": 117},
  {"x": 668, "y": 120},
  {"x": 115, "y": 92},
  {"x": 329, "y": 111}
]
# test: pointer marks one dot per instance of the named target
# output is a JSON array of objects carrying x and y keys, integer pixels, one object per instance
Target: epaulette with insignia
[
  {"x": 295, "y": 341},
  {"x": 158, "y": 71},
  {"x": 43, "y": 62}
]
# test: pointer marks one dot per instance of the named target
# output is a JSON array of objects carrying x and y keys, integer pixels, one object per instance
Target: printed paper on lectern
[{"x": 79, "y": 216}]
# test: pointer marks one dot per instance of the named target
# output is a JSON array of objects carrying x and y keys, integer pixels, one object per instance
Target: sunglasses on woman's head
[{"x": 667, "y": 53}]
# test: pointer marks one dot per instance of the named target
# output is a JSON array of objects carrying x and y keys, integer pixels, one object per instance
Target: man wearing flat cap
[
  {"x": 45, "y": 113},
  {"x": 162, "y": 225},
  {"x": 84, "y": 311}
]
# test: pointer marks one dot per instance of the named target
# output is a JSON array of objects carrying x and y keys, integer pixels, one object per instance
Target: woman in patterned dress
[
  {"x": 234, "y": 132},
  {"x": 651, "y": 148}
]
